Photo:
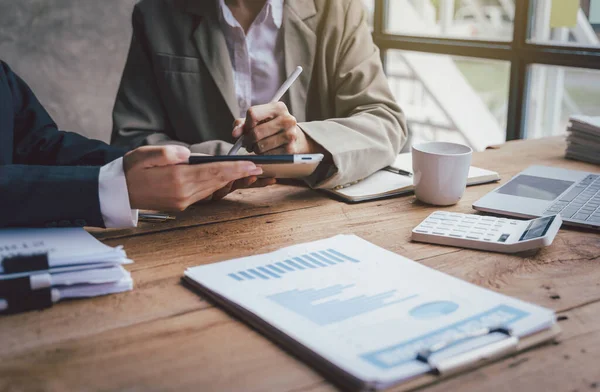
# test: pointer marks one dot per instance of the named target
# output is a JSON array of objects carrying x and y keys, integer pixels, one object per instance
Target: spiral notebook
[{"x": 389, "y": 182}]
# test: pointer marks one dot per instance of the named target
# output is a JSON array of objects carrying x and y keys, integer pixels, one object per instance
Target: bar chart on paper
[
  {"x": 326, "y": 304},
  {"x": 306, "y": 262},
  {"x": 321, "y": 307},
  {"x": 362, "y": 309}
]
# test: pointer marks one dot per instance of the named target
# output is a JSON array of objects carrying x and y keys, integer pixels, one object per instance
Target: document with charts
[{"x": 358, "y": 312}]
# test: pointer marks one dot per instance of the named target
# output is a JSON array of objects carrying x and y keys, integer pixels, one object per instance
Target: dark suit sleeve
[
  {"x": 49, "y": 196},
  {"x": 52, "y": 178},
  {"x": 37, "y": 141}
]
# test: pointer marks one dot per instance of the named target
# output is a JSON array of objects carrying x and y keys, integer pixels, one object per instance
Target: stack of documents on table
[
  {"x": 368, "y": 318},
  {"x": 583, "y": 142},
  {"x": 41, "y": 266},
  {"x": 396, "y": 179}
]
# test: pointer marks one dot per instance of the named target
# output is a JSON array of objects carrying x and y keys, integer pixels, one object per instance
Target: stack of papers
[
  {"x": 363, "y": 315},
  {"x": 39, "y": 267},
  {"x": 396, "y": 179},
  {"x": 583, "y": 142}
]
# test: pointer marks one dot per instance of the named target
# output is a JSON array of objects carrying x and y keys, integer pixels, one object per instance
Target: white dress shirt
[
  {"x": 114, "y": 196},
  {"x": 257, "y": 58}
]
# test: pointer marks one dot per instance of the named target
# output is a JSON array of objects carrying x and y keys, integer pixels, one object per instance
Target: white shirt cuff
[{"x": 114, "y": 196}]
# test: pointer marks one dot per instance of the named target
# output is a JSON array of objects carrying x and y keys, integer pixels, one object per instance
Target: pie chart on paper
[{"x": 433, "y": 309}]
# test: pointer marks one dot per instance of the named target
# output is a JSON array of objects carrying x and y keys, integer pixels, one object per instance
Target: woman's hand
[{"x": 270, "y": 129}]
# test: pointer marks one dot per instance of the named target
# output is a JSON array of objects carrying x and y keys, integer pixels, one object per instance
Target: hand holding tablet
[{"x": 275, "y": 166}]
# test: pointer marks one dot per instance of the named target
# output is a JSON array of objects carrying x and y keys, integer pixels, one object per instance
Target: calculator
[{"x": 486, "y": 232}]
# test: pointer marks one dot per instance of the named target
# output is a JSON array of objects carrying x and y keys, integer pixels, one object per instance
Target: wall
[{"x": 71, "y": 53}]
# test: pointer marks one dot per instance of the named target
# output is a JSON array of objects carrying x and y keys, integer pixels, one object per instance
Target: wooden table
[{"x": 164, "y": 336}]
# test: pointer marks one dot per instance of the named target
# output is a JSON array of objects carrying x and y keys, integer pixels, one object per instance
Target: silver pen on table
[
  {"x": 154, "y": 217},
  {"x": 282, "y": 90}
]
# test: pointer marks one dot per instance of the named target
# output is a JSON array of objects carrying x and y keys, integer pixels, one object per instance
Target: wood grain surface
[{"x": 163, "y": 336}]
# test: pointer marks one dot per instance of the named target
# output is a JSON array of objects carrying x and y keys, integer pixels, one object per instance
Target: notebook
[
  {"x": 368, "y": 318},
  {"x": 387, "y": 182}
]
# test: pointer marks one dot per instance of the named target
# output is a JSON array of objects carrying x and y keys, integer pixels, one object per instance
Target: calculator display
[{"x": 537, "y": 228}]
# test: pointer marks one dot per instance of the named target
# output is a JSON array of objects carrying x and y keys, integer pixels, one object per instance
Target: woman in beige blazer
[{"x": 178, "y": 87}]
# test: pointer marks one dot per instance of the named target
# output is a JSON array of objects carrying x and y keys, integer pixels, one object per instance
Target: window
[
  {"x": 555, "y": 93},
  {"x": 369, "y": 7},
  {"x": 427, "y": 87},
  {"x": 484, "y": 71},
  {"x": 576, "y": 24},
  {"x": 448, "y": 18}
]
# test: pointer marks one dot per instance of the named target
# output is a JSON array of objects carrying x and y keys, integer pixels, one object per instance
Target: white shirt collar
[{"x": 273, "y": 9}]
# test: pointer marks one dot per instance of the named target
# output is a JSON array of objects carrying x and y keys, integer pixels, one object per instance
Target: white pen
[{"x": 282, "y": 90}]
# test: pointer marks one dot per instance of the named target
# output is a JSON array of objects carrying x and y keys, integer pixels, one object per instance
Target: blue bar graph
[
  {"x": 315, "y": 261},
  {"x": 276, "y": 269},
  {"x": 268, "y": 272},
  {"x": 310, "y": 261},
  {"x": 284, "y": 266},
  {"x": 293, "y": 264},
  {"x": 331, "y": 256},
  {"x": 234, "y": 276},
  {"x": 302, "y": 302},
  {"x": 318, "y": 256},
  {"x": 246, "y": 275},
  {"x": 335, "y": 252},
  {"x": 256, "y": 273},
  {"x": 304, "y": 262}
]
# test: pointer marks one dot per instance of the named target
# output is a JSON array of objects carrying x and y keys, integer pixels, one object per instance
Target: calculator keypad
[{"x": 473, "y": 227}]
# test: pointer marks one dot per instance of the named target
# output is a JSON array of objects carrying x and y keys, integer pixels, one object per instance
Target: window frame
[{"x": 519, "y": 53}]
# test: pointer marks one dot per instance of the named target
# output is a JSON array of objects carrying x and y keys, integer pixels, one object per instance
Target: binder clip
[
  {"x": 25, "y": 263},
  {"x": 33, "y": 300},
  {"x": 459, "y": 362}
]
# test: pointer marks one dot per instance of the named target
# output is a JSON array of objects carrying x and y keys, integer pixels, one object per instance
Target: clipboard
[
  {"x": 481, "y": 357},
  {"x": 453, "y": 367},
  {"x": 316, "y": 300}
]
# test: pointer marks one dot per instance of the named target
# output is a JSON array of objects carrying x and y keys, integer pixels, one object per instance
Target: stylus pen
[{"x": 282, "y": 90}]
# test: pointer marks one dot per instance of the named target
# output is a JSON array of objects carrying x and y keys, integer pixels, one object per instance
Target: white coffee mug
[{"x": 440, "y": 172}]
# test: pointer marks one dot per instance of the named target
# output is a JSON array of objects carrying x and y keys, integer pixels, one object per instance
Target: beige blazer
[{"x": 178, "y": 83}]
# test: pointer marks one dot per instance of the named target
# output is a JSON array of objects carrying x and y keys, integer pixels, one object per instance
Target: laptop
[{"x": 542, "y": 190}]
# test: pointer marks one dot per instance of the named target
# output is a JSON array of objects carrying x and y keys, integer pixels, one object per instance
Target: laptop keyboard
[{"x": 581, "y": 203}]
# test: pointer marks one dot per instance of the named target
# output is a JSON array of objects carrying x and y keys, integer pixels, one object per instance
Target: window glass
[
  {"x": 566, "y": 22},
  {"x": 468, "y": 19},
  {"x": 451, "y": 98},
  {"x": 555, "y": 93},
  {"x": 369, "y": 7}
]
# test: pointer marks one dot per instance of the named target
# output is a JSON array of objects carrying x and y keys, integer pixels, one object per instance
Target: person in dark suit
[{"x": 59, "y": 179}]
